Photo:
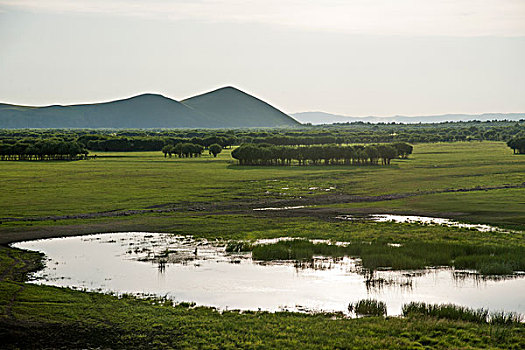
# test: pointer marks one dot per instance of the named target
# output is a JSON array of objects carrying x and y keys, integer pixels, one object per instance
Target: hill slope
[
  {"x": 148, "y": 111},
  {"x": 233, "y": 106}
]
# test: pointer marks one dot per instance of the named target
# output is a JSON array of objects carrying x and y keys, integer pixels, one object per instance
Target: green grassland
[
  {"x": 38, "y": 316},
  {"x": 116, "y": 181}
]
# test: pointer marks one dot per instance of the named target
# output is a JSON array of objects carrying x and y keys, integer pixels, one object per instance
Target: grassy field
[
  {"x": 38, "y": 316},
  {"x": 121, "y": 181}
]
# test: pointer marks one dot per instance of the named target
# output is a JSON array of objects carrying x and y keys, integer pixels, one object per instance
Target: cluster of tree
[
  {"x": 183, "y": 150},
  {"x": 403, "y": 149},
  {"x": 266, "y": 154},
  {"x": 49, "y": 149},
  {"x": 517, "y": 144}
]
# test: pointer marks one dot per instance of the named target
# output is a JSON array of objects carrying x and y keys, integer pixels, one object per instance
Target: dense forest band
[{"x": 48, "y": 144}]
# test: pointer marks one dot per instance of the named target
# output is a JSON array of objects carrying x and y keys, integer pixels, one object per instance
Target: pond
[{"x": 184, "y": 269}]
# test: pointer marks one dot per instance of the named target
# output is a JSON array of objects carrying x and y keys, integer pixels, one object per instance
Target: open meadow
[
  {"x": 142, "y": 180},
  {"x": 213, "y": 199}
]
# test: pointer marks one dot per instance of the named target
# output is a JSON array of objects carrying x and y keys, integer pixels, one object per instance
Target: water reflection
[
  {"x": 200, "y": 271},
  {"x": 375, "y": 283},
  {"x": 419, "y": 220}
]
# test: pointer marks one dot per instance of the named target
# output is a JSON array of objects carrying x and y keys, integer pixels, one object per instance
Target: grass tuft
[{"x": 368, "y": 307}]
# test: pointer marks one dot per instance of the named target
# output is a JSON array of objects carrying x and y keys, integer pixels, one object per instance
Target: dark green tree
[{"x": 215, "y": 149}]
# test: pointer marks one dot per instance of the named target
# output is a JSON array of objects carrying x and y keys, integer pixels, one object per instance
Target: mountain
[
  {"x": 232, "y": 106},
  {"x": 143, "y": 111},
  {"x": 327, "y": 118},
  {"x": 223, "y": 108}
]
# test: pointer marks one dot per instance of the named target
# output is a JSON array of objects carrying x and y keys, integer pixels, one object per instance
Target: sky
[{"x": 353, "y": 57}]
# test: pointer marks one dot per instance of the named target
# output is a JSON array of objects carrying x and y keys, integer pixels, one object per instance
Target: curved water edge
[{"x": 183, "y": 269}]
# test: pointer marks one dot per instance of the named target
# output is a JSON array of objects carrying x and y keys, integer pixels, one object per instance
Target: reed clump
[
  {"x": 368, "y": 307},
  {"x": 485, "y": 259},
  {"x": 446, "y": 311},
  {"x": 461, "y": 313},
  {"x": 238, "y": 246},
  {"x": 297, "y": 249}
]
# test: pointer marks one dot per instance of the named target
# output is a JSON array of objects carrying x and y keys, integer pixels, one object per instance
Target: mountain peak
[
  {"x": 232, "y": 89},
  {"x": 233, "y": 105},
  {"x": 150, "y": 95},
  {"x": 221, "y": 90}
]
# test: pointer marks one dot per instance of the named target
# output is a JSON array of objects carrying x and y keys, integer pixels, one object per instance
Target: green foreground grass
[{"x": 48, "y": 317}]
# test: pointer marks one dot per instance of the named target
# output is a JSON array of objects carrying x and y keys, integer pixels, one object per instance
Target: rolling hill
[{"x": 223, "y": 108}]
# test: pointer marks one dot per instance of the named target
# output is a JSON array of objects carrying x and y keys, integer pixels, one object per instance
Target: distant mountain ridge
[
  {"x": 327, "y": 118},
  {"x": 226, "y": 107}
]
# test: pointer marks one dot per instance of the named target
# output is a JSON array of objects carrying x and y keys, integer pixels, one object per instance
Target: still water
[
  {"x": 419, "y": 220},
  {"x": 200, "y": 271}
]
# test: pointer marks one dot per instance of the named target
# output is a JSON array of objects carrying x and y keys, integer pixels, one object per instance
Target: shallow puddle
[
  {"x": 419, "y": 220},
  {"x": 280, "y": 208},
  {"x": 199, "y": 271}
]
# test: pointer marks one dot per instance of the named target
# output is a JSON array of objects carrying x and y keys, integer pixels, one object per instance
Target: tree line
[
  {"x": 149, "y": 143},
  {"x": 359, "y": 132},
  {"x": 183, "y": 150},
  {"x": 266, "y": 154},
  {"x": 43, "y": 150}
]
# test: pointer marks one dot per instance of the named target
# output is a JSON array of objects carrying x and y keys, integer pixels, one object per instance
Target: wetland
[{"x": 183, "y": 269}]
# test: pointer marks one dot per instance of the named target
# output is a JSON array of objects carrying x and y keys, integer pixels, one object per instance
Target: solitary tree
[{"x": 215, "y": 149}]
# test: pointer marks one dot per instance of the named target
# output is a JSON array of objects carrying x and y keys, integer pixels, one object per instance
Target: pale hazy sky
[{"x": 355, "y": 57}]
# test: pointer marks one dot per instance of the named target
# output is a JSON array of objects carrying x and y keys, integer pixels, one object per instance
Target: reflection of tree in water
[
  {"x": 374, "y": 283},
  {"x": 467, "y": 276}
]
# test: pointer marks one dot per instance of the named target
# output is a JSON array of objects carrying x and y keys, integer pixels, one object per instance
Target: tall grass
[
  {"x": 368, "y": 307},
  {"x": 238, "y": 246},
  {"x": 486, "y": 259},
  {"x": 297, "y": 249},
  {"x": 447, "y": 311},
  {"x": 460, "y": 313},
  {"x": 505, "y": 318}
]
